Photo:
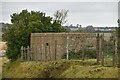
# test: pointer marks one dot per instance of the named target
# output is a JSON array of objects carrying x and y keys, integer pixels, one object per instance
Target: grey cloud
[{"x": 96, "y": 13}]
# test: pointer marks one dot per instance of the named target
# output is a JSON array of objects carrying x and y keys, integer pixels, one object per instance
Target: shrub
[{"x": 78, "y": 55}]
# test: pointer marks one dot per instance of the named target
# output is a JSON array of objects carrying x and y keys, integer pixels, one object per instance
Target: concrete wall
[{"x": 52, "y": 46}]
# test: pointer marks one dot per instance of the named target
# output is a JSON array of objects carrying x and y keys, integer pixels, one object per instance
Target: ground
[{"x": 58, "y": 69}]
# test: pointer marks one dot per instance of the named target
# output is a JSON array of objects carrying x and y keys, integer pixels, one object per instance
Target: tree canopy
[{"x": 23, "y": 24}]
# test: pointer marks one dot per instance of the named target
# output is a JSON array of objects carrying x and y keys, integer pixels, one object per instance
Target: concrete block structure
[{"x": 52, "y": 46}]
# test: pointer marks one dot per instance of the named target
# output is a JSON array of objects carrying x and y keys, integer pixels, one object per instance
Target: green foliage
[
  {"x": 91, "y": 54},
  {"x": 23, "y": 24},
  {"x": 108, "y": 49}
]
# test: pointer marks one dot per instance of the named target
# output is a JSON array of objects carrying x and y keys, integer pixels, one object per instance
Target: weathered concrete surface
[{"x": 52, "y": 46}]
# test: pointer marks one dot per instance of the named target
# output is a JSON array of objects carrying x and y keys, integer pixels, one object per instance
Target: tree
[
  {"x": 23, "y": 24},
  {"x": 60, "y": 16},
  {"x": 59, "y": 20}
]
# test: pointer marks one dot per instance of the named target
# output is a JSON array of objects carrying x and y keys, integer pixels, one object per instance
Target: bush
[{"x": 91, "y": 54}]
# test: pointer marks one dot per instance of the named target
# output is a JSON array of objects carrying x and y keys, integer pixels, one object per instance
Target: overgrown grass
[
  {"x": 58, "y": 69},
  {"x": 90, "y": 72}
]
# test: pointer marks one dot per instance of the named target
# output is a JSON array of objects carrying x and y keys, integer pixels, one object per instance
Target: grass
[
  {"x": 58, "y": 69},
  {"x": 90, "y": 72}
]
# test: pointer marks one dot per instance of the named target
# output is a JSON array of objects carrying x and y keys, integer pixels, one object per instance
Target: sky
[{"x": 98, "y": 14}]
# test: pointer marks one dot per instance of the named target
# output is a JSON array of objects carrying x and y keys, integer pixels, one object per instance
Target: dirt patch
[{"x": 3, "y": 46}]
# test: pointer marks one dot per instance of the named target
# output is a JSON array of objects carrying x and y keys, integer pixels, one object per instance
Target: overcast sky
[{"x": 98, "y": 14}]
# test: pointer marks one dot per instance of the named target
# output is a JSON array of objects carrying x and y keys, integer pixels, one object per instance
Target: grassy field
[{"x": 58, "y": 69}]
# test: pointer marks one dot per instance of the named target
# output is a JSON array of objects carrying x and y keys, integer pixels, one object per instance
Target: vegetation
[
  {"x": 25, "y": 23},
  {"x": 91, "y": 54},
  {"x": 60, "y": 16},
  {"x": 108, "y": 48},
  {"x": 59, "y": 69}
]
